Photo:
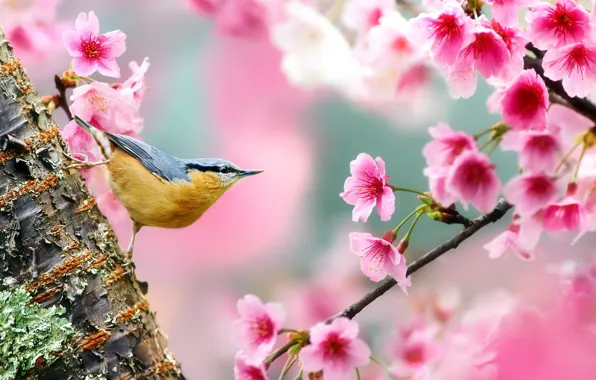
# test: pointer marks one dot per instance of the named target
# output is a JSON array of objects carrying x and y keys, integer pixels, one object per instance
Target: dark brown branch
[
  {"x": 454, "y": 242},
  {"x": 581, "y": 105},
  {"x": 62, "y": 101}
]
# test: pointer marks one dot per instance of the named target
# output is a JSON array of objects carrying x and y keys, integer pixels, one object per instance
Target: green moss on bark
[{"x": 28, "y": 333}]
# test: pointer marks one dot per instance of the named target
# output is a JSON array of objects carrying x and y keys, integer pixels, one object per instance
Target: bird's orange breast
[{"x": 156, "y": 203}]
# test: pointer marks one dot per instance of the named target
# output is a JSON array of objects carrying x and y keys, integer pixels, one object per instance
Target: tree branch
[
  {"x": 478, "y": 223},
  {"x": 582, "y": 105}
]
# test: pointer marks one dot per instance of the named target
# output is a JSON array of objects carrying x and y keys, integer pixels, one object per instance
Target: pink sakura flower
[
  {"x": 416, "y": 350},
  {"x": 446, "y": 32},
  {"x": 367, "y": 186},
  {"x": 446, "y": 145},
  {"x": 538, "y": 150},
  {"x": 484, "y": 51},
  {"x": 508, "y": 240},
  {"x": 92, "y": 51},
  {"x": 106, "y": 108},
  {"x": 335, "y": 349},
  {"x": 386, "y": 46},
  {"x": 568, "y": 124},
  {"x": 568, "y": 214},
  {"x": 206, "y": 7},
  {"x": 529, "y": 192},
  {"x": 79, "y": 142},
  {"x": 437, "y": 177},
  {"x": 136, "y": 82},
  {"x": 557, "y": 25},
  {"x": 258, "y": 326},
  {"x": 362, "y": 15},
  {"x": 516, "y": 41},
  {"x": 525, "y": 102},
  {"x": 380, "y": 257},
  {"x": 242, "y": 18},
  {"x": 506, "y": 11},
  {"x": 472, "y": 179},
  {"x": 245, "y": 370},
  {"x": 574, "y": 64}
]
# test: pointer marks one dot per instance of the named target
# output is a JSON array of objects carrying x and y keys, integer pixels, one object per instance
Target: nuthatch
[{"x": 157, "y": 189}]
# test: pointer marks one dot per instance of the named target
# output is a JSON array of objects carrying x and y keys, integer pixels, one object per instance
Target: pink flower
[
  {"x": 568, "y": 214},
  {"x": 242, "y": 18},
  {"x": 79, "y": 142},
  {"x": 484, "y": 51},
  {"x": 516, "y": 41},
  {"x": 557, "y": 25},
  {"x": 106, "y": 108},
  {"x": 472, "y": 179},
  {"x": 245, "y": 370},
  {"x": 361, "y": 15},
  {"x": 258, "y": 326},
  {"x": 437, "y": 177},
  {"x": 335, "y": 349},
  {"x": 206, "y": 7},
  {"x": 568, "y": 124},
  {"x": 379, "y": 258},
  {"x": 367, "y": 186},
  {"x": 136, "y": 82},
  {"x": 92, "y": 51},
  {"x": 506, "y": 11},
  {"x": 446, "y": 145},
  {"x": 446, "y": 31},
  {"x": 538, "y": 150},
  {"x": 575, "y": 65},
  {"x": 416, "y": 349},
  {"x": 529, "y": 192},
  {"x": 525, "y": 102}
]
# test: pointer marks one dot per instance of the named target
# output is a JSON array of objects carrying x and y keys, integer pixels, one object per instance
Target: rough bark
[{"x": 57, "y": 246}]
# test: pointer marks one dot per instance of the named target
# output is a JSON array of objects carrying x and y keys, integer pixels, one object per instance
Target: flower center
[
  {"x": 561, "y": 20},
  {"x": 253, "y": 373},
  {"x": 92, "y": 48},
  {"x": 579, "y": 59},
  {"x": 445, "y": 27},
  {"x": 401, "y": 45},
  {"x": 335, "y": 346},
  {"x": 97, "y": 102},
  {"x": 263, "y": 328},
  {"x": 414, "y": 355},
  {"x": 529, "y": 98},
  {"x": 371, "y": 186},
  {"x": 379, "y": 255},
  {"x": 539, "y": 186},
  {"x": 541, "y": 143},
  {"x": 375, "y": 16}
]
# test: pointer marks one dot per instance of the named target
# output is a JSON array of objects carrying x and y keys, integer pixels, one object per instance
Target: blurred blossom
[
  {"x": 244, "y": 370},
  {"x": 31, "y": 27},
  {"x": 362, "y": 15},
  {"x": 258, "y": 326}
]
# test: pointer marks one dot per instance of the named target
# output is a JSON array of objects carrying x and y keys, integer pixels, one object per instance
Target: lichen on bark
[
  {"x": 29, "y": 333},
  {"x": 57, "y": 247}
]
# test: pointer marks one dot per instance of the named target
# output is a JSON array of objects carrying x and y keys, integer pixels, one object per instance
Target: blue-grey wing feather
[{"x": 161, "y": 164}]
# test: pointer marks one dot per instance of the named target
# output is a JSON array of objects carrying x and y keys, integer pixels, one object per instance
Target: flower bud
[
  {"x": 389, "y": 236},
  {"x": 402, "y": 246}
]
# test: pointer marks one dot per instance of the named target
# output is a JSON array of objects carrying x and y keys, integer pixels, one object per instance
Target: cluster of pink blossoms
[
  {"x": 333, "y": 348},
  {"x": 111, "y": 107}
]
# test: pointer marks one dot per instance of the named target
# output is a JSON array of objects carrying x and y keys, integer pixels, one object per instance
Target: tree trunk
[{"x": 68, "y": 308}]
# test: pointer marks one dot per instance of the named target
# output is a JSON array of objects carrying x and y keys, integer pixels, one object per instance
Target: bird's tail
[{"x": 100, "y": 138}]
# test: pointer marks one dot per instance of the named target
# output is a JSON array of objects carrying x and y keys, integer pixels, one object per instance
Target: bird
[{"x": 156, "y": 188}]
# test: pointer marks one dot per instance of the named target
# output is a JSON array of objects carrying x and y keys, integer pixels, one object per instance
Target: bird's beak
[{"x": 247, "y": 173}]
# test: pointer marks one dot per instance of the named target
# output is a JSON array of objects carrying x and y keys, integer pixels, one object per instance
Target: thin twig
[
  {"x": 62, "y": 102},
  {"x": 478, "y": 223},
  {"x": 279, "y": 352}
]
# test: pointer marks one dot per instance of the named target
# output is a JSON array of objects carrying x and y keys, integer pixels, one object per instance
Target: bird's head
[{"x": 216, "y": 173}]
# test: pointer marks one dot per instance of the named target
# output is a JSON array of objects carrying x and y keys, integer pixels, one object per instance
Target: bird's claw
[{"x": 80, "y": 164}]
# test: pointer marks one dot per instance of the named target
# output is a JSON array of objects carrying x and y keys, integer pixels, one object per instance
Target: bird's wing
[{"x": 161, "y": 164}]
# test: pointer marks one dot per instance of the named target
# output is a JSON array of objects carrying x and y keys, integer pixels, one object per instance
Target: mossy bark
[{"x": 55, "y": 244}]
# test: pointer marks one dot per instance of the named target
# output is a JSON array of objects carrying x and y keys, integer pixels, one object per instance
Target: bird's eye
[{"x": 226, "y": 169}]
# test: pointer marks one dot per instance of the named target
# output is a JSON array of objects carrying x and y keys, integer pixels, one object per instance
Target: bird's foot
[
  {"x": 127, "y": 260},
  {"x": 81, "y": 164}
]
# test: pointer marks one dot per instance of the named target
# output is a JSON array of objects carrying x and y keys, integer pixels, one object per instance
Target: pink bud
[
  {"x": 402, "y": 246},
  {"x": 388, "y": 236}
]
